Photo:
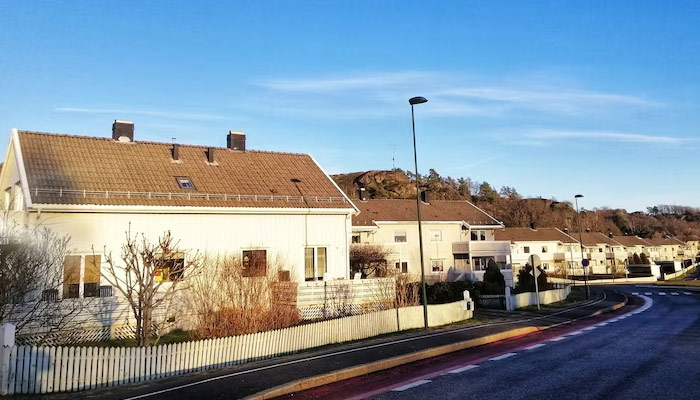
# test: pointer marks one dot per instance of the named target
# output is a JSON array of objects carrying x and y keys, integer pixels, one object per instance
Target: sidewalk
[{"x": 336, "y": 362}]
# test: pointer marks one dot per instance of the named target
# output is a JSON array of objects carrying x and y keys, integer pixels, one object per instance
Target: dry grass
[{"x": 226, "y": 302}]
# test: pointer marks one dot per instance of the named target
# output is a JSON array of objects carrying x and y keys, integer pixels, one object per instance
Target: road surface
[{"x": 650, "y": 351}]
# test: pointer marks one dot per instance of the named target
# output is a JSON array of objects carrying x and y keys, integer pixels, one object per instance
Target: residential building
[
  {"x": 604, "y": 253},
  {"x": 213, "y": 200},
  {"x": 670, "y": 249},
  {"x": 634, "y": 245},
  {"x": 458, "y": 237},
  {"x": 550, "y": 248}
]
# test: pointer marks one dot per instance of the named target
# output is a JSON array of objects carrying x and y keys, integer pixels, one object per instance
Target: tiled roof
[
  {"x": 405, "y": 210},
  {"x": 666, "y": 241},
  {"x": 596, "y": 238},
  {"x": 534, "y": 235},
  {"x": 66, "y": 169},
  {"x": 631, "y": 241}
]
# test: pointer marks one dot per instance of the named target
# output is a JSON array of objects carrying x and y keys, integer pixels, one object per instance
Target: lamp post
[
  {"x": 413, "y": 101},
  {"x": 580, "y": 241}
]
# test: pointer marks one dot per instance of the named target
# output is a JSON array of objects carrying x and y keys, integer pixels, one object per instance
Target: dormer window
[{"x": 185, "y": 182}]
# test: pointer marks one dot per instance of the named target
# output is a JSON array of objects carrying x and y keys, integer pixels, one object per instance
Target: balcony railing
[{"x": 495, "y": 247}]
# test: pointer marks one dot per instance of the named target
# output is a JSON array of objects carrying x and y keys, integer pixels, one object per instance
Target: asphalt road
[{"x": 651, "y": 352}]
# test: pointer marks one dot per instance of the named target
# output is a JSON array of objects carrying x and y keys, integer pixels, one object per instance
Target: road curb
[
  {"x": 368, "y": 368},
  {"x": 375, "y": 366}
]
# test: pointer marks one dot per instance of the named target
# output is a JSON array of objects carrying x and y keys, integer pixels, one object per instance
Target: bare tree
[
  {"x": 31, "y": 278},
  {"x": 239, "y": 295},
  {"x": 148, "y": 276},
  {"x": 369, "y": 260}
]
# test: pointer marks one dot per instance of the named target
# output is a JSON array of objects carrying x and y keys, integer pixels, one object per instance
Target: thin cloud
[
  {"x": 361, "y": 82},
  {"x": 604, "y": 136},
  {"x": 152, "y": 113}
]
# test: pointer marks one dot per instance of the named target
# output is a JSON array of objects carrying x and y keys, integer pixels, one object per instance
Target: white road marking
[
  {"x": 574, "y": 333},
  {"x": 590, "y": 328},
  {"x": 602, "y": 324},
  {"x": 662, "y": 293},
  {"x": 411, "y": 385},
  {"x": 502, "y": 356},
  {"x": 556, "y": 339},
  {"x": 465, "y": 368},
  {"x": 534, "y": 346},
  {"x": 647, "y": 293},
  {"x": 687, "y": 293},
  {"x": 674, "y": 294},
  {"x": 635, "y": 293}
]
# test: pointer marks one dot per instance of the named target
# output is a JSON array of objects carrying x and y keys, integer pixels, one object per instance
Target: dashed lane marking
[
  {"x": 602, "y": 324},
  {"x": 465, "y": 368},
  {"x": 534, "y": 346},
  {"x": 635, "y": 293},
  {"x": 556, "y": 339},
  {"x": 687, "y": 293},
  {"x": 662, "y": 293},
  {"x": 574, "y": 333},
  {"x": 590, "y": 328},
  {"x": 502, "y": 357},
  {"x": 647, "y": 293},
  {"x": 411, "y": 385},
  {"x": 674, "y": 294}
]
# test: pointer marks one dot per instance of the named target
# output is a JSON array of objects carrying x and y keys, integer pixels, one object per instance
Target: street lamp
[
  {"x": 580, "y": 241},
  {"x": 413, "y": 101}
]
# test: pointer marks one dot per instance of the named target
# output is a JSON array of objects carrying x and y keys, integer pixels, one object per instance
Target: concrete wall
[
  {"x": 520, "y": 300},
  {"x": 438, "y": 314}
]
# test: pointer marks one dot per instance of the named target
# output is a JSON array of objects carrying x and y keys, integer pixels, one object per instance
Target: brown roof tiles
[
  {"x": 405, "y": 210},
  {"x": 534, "y": 235},
  {"x": 65, "y": 169}
]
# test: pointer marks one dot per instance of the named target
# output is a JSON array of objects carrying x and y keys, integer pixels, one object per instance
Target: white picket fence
[{"x": 31, "y": 369}]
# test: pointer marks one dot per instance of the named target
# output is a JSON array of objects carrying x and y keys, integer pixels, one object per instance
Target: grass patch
[
  {"x": 175, "y": 336},
  {"x": 682, "y": 277},
  {"x": 679, "y": 283}
]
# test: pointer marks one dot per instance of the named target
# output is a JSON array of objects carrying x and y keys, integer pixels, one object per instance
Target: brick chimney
[
  {"x": 123, "y": 131},
  {"x": 425, "y": 196},
  {"x": 235, "y": 140}
]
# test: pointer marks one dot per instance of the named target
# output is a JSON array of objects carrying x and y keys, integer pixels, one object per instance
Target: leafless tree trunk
[{"x": 149, "y": 277}]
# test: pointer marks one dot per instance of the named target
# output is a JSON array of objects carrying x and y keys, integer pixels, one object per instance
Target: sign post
[{"x": 536, "y": 273}]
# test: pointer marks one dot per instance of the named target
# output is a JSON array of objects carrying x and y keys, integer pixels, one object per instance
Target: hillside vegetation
[{"x": 508, "y": 206}]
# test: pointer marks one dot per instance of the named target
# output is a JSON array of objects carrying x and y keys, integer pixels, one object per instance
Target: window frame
[
  {"x": 315, "y": 260},
  {"x": 436, "y": 233},
  {"x": 253, "y": 273},
  {"x": 399, "y": 266},
  {"x": 437, "y": 263},
  {"x": 405, "y": 236},
  {"x": 82, "y": 293},
  {"x": 159, "y": 278},
  {"x": 181, "y": 183}
]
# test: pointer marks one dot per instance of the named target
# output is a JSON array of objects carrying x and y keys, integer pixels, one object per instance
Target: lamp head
[
  {"x": 417, "y": 100},
  {"x": 578, "y": 196}
]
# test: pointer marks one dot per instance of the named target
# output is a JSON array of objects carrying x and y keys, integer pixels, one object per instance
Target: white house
[
  {"x": 458, "y": 237},
  {"x": 214, "y": 200},
  {"x": 555, "y": 251}
]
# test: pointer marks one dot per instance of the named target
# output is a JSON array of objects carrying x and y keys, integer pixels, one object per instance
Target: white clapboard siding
[{"x": 63, "y": 369}]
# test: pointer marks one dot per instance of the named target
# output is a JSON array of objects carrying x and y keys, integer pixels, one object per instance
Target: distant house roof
[
  {"x": 631, "y": 241},
  {"x": 596, "y": 238},
  {"x": 672, "y": 241},
  {"x": 534, "y": 235},
  {"x": 66, "y": 169},
  {"x": 405, "y": 210}
]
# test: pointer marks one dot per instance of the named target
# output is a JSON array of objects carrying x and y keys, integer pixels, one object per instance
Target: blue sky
[{"x": 553, "y": 98}]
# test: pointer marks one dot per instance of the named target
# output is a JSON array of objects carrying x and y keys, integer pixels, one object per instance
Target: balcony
[{"x": 479, "y": 248}]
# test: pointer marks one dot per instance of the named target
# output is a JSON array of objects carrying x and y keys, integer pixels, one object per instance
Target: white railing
[
  {"x": 32, "y": 370},
  {"x": 180, "y": 196}
]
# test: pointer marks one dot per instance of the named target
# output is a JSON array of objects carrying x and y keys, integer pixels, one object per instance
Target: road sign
[
  {"x": 537, "y": 272},
  {"x": 586, "y": 262}
]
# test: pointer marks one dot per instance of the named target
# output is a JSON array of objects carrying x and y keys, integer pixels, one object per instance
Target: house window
[
  {"x": 436, "y": 236},
  {"x": 315, "y": 263},
  {"x": 482, "y": 235},
  {"x": 545, "y": 266},
  {"x": 91, "y": 276},
  {"x": 437, "y": 265},
  {"x": 71, "y": 277},
  {"x": 254, "y": 263},
  {"x": 461, "y": 261},
  {"x": 600, "y": 249},
  {"x": 89, "y": 267},
  {"x": 171, "y": 267},
  {"x": 399, "y": 236},
  {"x": 474, "y": 236},
  {"x": 356, "y": 238},
  {"x": 402, "y": 265},
  {"x": 544, "y": 249},
  {"x": 184, "y": 182},
  {"x": 526, "y": 249}
]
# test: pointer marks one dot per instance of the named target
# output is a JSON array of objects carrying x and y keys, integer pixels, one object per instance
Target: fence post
[
  {"x": 509, "y": 300},
  {"x": 7, "y": 341}
]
